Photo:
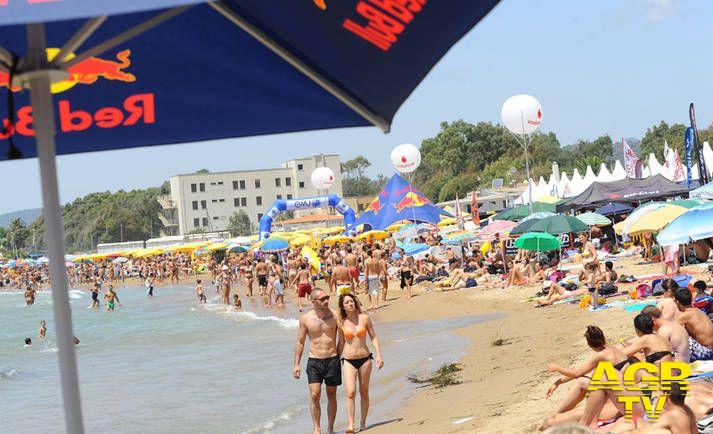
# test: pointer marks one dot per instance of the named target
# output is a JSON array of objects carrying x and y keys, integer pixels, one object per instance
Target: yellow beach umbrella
[
  {"x": 548, "y": 199},
  {"x": 217, "y": 246},
  {"x": 148, "y": 252},
  {"x": 300, "y": 239},
  {"x": 447, "y": 222},
  {"x": 373, "y": 235},
  {"x": 334, "y": 239},
  {"x": 395, "y": 227},
  {"x": 656, "y": 220},
  {"x": 331, "y": 231}
]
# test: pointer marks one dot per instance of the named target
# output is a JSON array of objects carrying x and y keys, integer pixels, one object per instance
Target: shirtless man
[
  {"x": 352, "y": 262},
  {"x": 111, "y": 298},
  {"x": 697, "y": 324},
  {"x": 672, "y": 331},
  {"x": 676, "y": 418},
  {"x": 372, "y": 271},
  {"x": 304, "y": 284},
  {"x": 342, "y": 280},
  {"x": 30, "y": 295},
  {"x": 320, "y": 324},
  {"x": 384, "y": 275},
  {"x": 262, "y": 271},
  {"x": 667, "y": 305}
]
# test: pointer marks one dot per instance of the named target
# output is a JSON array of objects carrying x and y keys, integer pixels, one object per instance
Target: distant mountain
[
  {"x": 631, "y": 141},
  {"x": 26, "y": 215}
]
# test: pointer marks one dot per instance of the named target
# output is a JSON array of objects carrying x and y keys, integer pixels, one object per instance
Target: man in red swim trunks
[
  {"x": 352, "y": 262},
  {"x": 304, "y": 284}
]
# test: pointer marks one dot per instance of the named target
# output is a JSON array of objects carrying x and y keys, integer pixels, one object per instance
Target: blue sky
[{"x": 613, "y": 67}]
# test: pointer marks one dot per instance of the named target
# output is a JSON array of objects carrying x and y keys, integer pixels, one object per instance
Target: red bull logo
[
  {"x": 411, "y": 199},
  {"x": 135, "y": 109},
  {"x": 374, "y": 206},
  {"x": 87, "y": 71}
]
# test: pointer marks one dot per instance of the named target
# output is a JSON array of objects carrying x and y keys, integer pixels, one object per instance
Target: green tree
[
  {"x": 17, "y": 234},
  {"x": 239, "y": 224},
  {"x": 355, "y": 181},
  {"x": 601, "y": 150},
  {"x": 653, "y": 140},
  {"x": 593, "y": 161}
]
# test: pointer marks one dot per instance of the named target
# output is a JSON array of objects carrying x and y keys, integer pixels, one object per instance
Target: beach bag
[
  {"x": 608, "y": 289},
  {"x": 643, "y": 290},
  {"x": 657, "y": 288}
]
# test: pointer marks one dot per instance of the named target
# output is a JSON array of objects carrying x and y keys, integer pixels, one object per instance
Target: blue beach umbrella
[
  {"x": 87, "y": 75},
  {"x": 274, "y": 245},
  {"x": 694, "y": 224}
]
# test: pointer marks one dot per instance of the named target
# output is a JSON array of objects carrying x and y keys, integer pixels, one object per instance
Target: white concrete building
[{"x": 205, "y": 201}]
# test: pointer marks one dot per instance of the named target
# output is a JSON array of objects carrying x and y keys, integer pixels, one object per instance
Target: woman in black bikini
[
  {"x": 656, "y": 348},
  {"x": 566, "y": 411},
  {"x": 356, "y": 357}
]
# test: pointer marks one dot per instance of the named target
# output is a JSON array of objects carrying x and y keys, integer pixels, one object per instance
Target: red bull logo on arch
[{"x": 411, "y": 199}]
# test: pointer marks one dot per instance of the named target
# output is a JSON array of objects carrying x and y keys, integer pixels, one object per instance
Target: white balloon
[
  {"x": 322, "y": 178},
  {"x": 521, "y": 114},
  {"x": 406, "y": 158}
]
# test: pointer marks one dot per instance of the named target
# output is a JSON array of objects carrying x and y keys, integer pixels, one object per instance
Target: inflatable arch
[{"x": 280, "y": 205}]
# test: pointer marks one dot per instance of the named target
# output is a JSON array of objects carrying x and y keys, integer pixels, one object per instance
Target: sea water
[{"x": 166, "y": 364}]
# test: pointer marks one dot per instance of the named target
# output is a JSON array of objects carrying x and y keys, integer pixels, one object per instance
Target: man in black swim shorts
[{"x": 320, "y": 324}]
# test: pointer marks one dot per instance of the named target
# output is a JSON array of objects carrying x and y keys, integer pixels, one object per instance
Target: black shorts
[
  {"x": 324, "y": 370},
  {"x": 262, "y": 280}
]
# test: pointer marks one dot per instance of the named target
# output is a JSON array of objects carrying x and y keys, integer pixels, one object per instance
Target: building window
[
  {"x": 202, "y": 186},
  {"x": 257, "y": 183},
  {"x": 194, "y": 188},
  {"x": 300, "y": 167},
  {"x": 289, "y": 196},
  {"x": 288, "y": 181},
  {"x": 302, "y": 184},
  {"x": 205, "y": 221},
  {"x": 214, "y": 201},
  {"x": 204, "y": 205},
  {"x": 195, "y": 204},
  {"x": 259, "y": 216},
  {"x": 216, "y": 217},
  {"x": 278, "y": 182},
  {"x": 236, "y": 202},
  {"x": 220, "y": 182},
  {"x": 279, "y": 197},
  {"x": 243, "y": 201},
  {"x": 258, "y": 200},
  {"x": 196, "y": 222},
  {"x": 235, "y": 185},
  {"x": 221, "y": 200},
  {"x": 212, "y": 183},
  {"x": 242, "y": 184}
]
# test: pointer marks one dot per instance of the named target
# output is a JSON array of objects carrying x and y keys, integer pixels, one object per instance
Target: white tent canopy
[
  {"x": 655, "y": 167},
  {"x": 619, "y": 172},
  {"x": 563, "y": 185},
  {"x": 708, "y": 157},
  {"x": 604, "y": 175}
]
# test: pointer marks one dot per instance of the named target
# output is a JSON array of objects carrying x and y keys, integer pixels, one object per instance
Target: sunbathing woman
[
  {"x": 518, "y": 273},
  {"x": 656, "y": 348},
  {"x": 565, "y": 410},
  {"x": 556, "y": 293}
]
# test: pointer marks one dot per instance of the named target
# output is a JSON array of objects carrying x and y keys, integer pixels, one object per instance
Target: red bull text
[{"x": 385, "y": 20}]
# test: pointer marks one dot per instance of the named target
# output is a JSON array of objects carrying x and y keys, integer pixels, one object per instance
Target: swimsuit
[
  {"x": 373, "y": 284},
  {"x": 406, "y": 276},
  {"x": 262, "y": 280},
  {"x": 699, "y": 351},
  {"x": 277, "y": 286},
  {"x": 354, "y": 272},
  {"x": 655, "y": 357},
  {"x": 357, "y": 363},
  {"x": 110, "y": 305},
  {"x": 344, "y": 288},
  {"x": 304, "y": 289},
  {"x": 324, "y": 370}
]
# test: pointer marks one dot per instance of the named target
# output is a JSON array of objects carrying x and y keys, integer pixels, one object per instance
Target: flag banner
[
  {"x": 677, "y": 168},
  {"x": 702, "y": 170},
  {"x": 689, "y": 147},
  {"x": 474, "y": 208},
  {"x": 631, "y": 161}
]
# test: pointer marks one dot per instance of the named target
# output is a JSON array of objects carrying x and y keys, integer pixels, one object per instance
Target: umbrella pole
[{"x": 43, "y": 114}]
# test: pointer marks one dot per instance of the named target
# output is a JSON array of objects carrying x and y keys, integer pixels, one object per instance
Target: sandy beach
[{"x": 503, "y": 387}]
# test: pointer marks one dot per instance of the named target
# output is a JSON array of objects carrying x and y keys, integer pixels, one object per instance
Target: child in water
[
  {"x": 202, "y": 299},
  {"x": 237, "y": 304},
  {"x": 43, "y": 329}
]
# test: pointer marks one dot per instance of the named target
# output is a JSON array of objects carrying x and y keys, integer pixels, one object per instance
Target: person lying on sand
[
  {"x": 565, "y": 410},
  {"x": 556, "y": 293}
]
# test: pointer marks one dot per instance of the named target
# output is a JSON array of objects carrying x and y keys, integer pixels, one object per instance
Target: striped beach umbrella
[{"x": 593, "y": 219}]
